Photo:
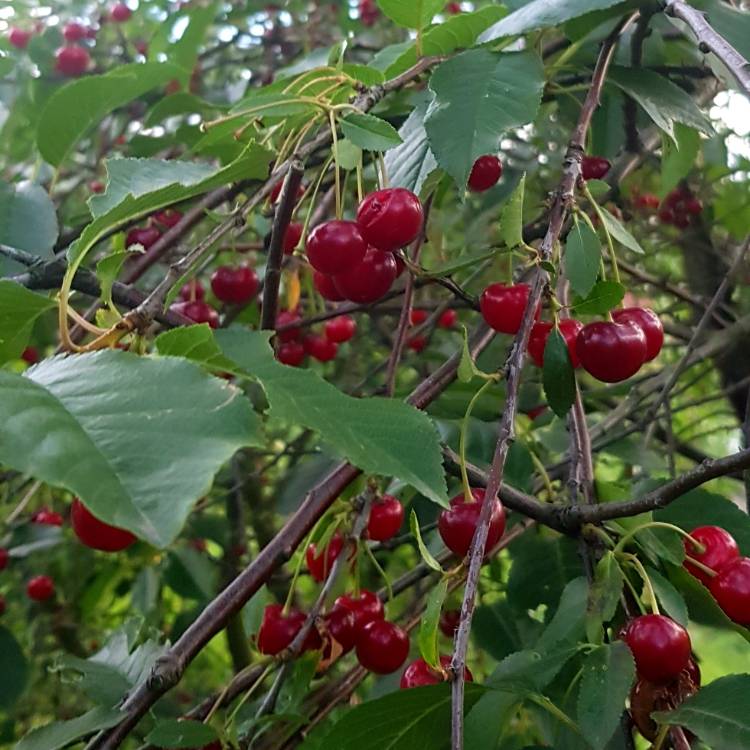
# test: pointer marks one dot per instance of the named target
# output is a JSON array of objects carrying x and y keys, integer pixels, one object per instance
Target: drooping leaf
[
  {"x": 102, "y": 419},
  {"x": 15, "y": 669},
  {"x": 582, "y": 259},
  {"x": 370, "y": 132},
  {"x": 617, "y": 230},
  {"x": 491, "y": 714},
  {"x": 426, "y": 555},
  {"x": 347, "y": 154},
  {"x": 27, "y": 219},
  {"x": 566, "y": 624},
  {"x": 511, "y": 216},
  {"x": 19, "y": 308},
  {"x": 175, "y": 733},
  {"x": 107, "y": 270},
  {"x": 678, "y": 156},
  {"x": 604, "y": 595},
  {"x": 604, "y": 296},
  {"x": 670, "y": 599},
  {"x": 63, "y": 733},
  {"x": 428, "y": 628},
  {"x": 557, "y": 374},
  {"x": 415, "y": 14}
]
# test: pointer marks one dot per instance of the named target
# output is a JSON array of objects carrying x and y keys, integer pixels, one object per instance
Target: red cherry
[
  {"x": 420, "y": 673},
  {"x": 120, "y": 12},
  {"x": 46, "y": 517},
  {"x": 326, "y": 287},
  {"x": 19, "y": 38},
  {"x": 335, "y": 247},
  {"x": 611, "y": 352},
  {"x": 594, "y": 167},
  {"x": 277, "y": 630},
  {"x": 485, "y": 173},
  {"x": 167, "y": 218},
  {"x": 291, "y": 353},
  {"x": 340, "y": 329},
  {"x": 386, "y": 517},
  {"x": 366, "y": 607},
  {"x": 453, "y": 8},
  {"x": 340, "y": 624},
  {"x": 370, "y": 280},
  {"x": 368, "y": 12},
  {"x": 569, "y": 328},
  {"x": 536, "y": 411},
  {"x": 503, "y": 306},
  {"x": 72, "y": 61},
  {"x": 285, "y": 318},
  {"x": 417, "y": 343},
  {"x": 319, "y": 563},
  {"x": 199, "y": 545},
  {"x": 648, "y": 321},
  {"x": 660, "y": 646},
  {"x": 390, "y": 218},
  {"x": 720, "y": 550},
  {"x": 693, "y": 206},
  {"x": 400, "y": 265},
  {"x": 192, "y": 290},
  {"x": 96, "y": 186},
  {"x": 141, "y": 47},
  {"x": 2, "y": 605},
  {"x": 30, "y": 355},
  {"x": 74, "y": 32},
  {"x": 417, "y": 317},
  {"x": 234, "y": 285},
  {"x": 276, "y": 192},
  {"x": 4, "y": 557},
  {"x": 382, "y": 647},
  {"x": 319, "y": 347},
  {"x": 95, "y": 533},
  {"x": 145, "y": 236},
  {"x": 292, "y": 236},
  {"x": 457, "y": 524},
  {"x": 40, "y": 588},
  {"x": 448, "y": 623},
  {"x": 198, "y": 311},
  {"x": 448, "y": 318},
  {"x": 682, "y": 221},
  {"x": 731, "y": 589}
]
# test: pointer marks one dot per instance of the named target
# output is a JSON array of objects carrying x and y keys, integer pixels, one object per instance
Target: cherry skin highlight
[
  {"x": 391, "y": 218},
  {"x": 95, "y": 533},
  {"x": 485, "y": 173},
  {"x": 386, "y": 518},
  {"x": 457, "y": 524},
  {"x": 335, "y": 247},
  {"x": 648, "y": 321},
  {"x": 382, "y": 647},
  {"x": 611, "y": 352},
  {"x": 660, "y": 647},
  {"x": 720, "y": 550}
]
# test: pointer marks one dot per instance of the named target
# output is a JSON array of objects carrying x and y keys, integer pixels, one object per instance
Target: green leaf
[
  {"x": 107, "y": 270},
  {"x": 367, "y": 75},
  {"x": 718, "y": 713},
  {"x": 79, "y": 105},
  {"x": 380, "y": 436},
  {"x": 604, "y": 296},
  {"x": 669, "y": 598},
  {"x": 604, "y": 596},
  {"x": 491, "y": 714},
  {"x": 428, "y": 628},
  {"x": 184, "y": 51},
  {"x": 678, "y": 156},
  {"x": 62, "y": 733},
  {"x": 427, "y": 557},
  {"x": 15, "y": 669},
  {"x": 566, "y": 624},
  {"x": 370, "y": 132},
  {"x": 557, "y": 374},
  {"x": 181, "y": 103},
  {"x": 541, "y": 14},
  {"x": 467, "y": 369},
  {"x": 511, "y": 216},
  {"x": 665, "y": 102},
  {"x": 583, "y": 257},
  {"x": 469, "y": 260},
  {"x": 102, "y": 419},
  {"x": 174, "y": 733},
  {"x": 608, "y": 673},
  {"x": 486, "y": 92},
  {"x": 496, "y": 629},
  {"x": 732, "y": 23},
  {"x": 415, "y": 14},
  {"x": 347, "y": 154},
  {"x": 27, "y": 219},
  {"x": 531, "y": 670},
  {"x": 617, "y": 230},
  {"x": 190, "y": 574},
  {"x": 196, "y": 343},
  {"x": 19, "y": 308}
]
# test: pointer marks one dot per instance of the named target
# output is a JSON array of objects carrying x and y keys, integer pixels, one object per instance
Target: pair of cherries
[
  {"x": 357, "y": 256},
  {"x": 293, "y": 347},
  {"x": 457, "y": 524},
  {"x": 192, "y": 305}
]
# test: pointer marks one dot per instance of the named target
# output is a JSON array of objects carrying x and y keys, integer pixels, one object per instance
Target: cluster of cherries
[
  {"x": 157, "y": 223},
  {"x": 611, "y": 350},
  {"x": 292, "y": 346},
  {"x": 679, "y": 207}
]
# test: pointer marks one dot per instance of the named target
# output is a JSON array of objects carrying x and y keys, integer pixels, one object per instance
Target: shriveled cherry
[
  {"x": 19, "y": 38},
  {"x": 234, "y": 285},
  {"x": 335, "y": 247},
  {"x": 448, "y": 318},
  {"x": 457, "y": 524},
  {"x": 611, "y": 352},
  {"x": 485, "y": 173},
  {"x": 47, "y": 517},
  {"x": 390, "y": 218},
  {"x": 286, "y": 318},
  {"x": 95, "y": 533},
  {"x": 120, "y": 12},
  {"x": 326, "y": 287},
  {"x": 449, "y": 620},
  {"x": 420, "y": 673},
  {"x": 503, "y": 306},
  {"x": 167, "y": 218},
  {"x": 292, "y": 236},
  {"x": 660, "y": 647},
  {"x": 365, "y": 608},
  {"x": 40, "y": 588},
  {"x": 199, "y": 311},
  {"x": 278, "y": 629},
  {"x": 145, "y": 236},
  {"x": 720, "y": 550},
  {"x": 72, "y": 61},
  {"x": 369, "y": 280},
  {"x": 569, "y": 328},
  {"x": 382, "y": 647},
  {"x": 594, "y": 167},
  {"x": 731, "y": 589},
  {"x": 291, "y": 353},
  {"x": 648, "y": 321},
  {"x": 386, "y": 517},
  {"x": 340, "y": 329},
  {"x": 320, "y": 347},
  {"x": 320, "y": 562}
]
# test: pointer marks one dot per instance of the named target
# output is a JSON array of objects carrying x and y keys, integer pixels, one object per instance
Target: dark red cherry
[
  {"x": 390, "y": 218},
  {"x": 72, "y": 61},
  {"x": 292, "y": 236},
  {"x": 611, "y": 352},
  {"x": 74, "y": 32},
  {"x": 234, "y": 285},
  {"x": 648, "y": 321},
  {"x": 417, "y": 316},
  {"x": 453, "y": 8},
  {"x": 40, "y": 588},
  {"x": 291, "y": 353},
  {"x": 369, "y": 280},
  {"x": 448, "y": 318},
  {"x": 366, "y": 607},
  {"x": 286, "y": 318},
  {"x": 19, "y": 38},
  {"x": 277, "y": 630},
  {"x": 731, "y": 589},
  {"x": 167, "y": 218},
  {"x": 320, "y": 562},
  {"x": 340, "y": 329},
  {"x": 145, "y": 236},
  {"x": 276, "y": 192},
  {"x": 660, "y": 647},
  {"x": 681, "y": 221},
  {"x": 95, "y": 533},
  {"x": 382, "y": 647},
  {"x": 449, "y": 620},
  {"x": 503, "y": 306},
  {"x": 368, "y": 12},
  {"x": 4, "y": 557},
  {"x": 2, "y": 605},
  {"x": 485, "y": 173},
  {"x": 30, "y": 355},
  {"x": 319, "y": 347},
  {"x": 120, "y": 12},
  {"x": 666, "y": 216},
  {"x": 594, "y": 167},
  {"x": 47, "y": 517},
  {"x": 192, "y": 290},
  {"x": 340, "y": 624},
  {"x": 386, "y": 517},
  {"x": 199, "y": 311},
  {"x": 420, "y": 673},
  {"x": 417, "y": 343},
  {"x": 335, "y": 247},
  {"x": 720, "y": 550},
  {"x": 457, "y": 524},
  {"x": 693, "y": 206},
  {"x": 326, "y": 287},
  {"x": 569, "y": 328}
]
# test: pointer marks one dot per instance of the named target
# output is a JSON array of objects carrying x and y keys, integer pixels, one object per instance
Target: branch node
[{"x": 166, "y": 672}]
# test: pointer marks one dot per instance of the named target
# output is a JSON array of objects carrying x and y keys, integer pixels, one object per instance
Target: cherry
[
  {"x": 365, "y": 608},
  {"x": 326, "y": 287},
  {"x": 382, "y": 647},
  {"x": 46, "y": 517},
  {"x": 340, "y": 624},
  {"x": 284, "y": 318},
  {"x": 30, "y": 355},
  {"x": 40, "y": 588},
  {"x": 448, "y": 623},
  {"x": 95, "y": 533},
  {"x": 4, "y": 557},
  {"x": 74, "y": 32},
  {"x": 319, "y": 563},
  {"x": 167, "y": 218},
  {"x": 569, "y": 328},
  {"x": 319, "y": 347},
  {"x": 276, "y": 191},
  {"x": 594, "y": 167},
  {"x": 417, "y": 316},
  {"x": 386, "y": 517},
  {"x": 647, "y": 200},
  {"x": 485, "y": 173},
  {"x": 457, "y": 524},
  {"x": 199, "y": 545},
  {"x": 277, "y": 630},
  {"x": 503, "y": 306},
  {"x": 96, "y": 186},
  {"x": 120, "y": 12},
  {"x": 2, "y": 605},
  {"x": 720, "y": 550},
  {"x": 199, "y": 311},
  {"x": 145, "y": 236},
  {"x": 420, "y": 673},
  {"x": 448, "y": 318},
  {"x": 648, "y": 321},
  {"x": 234, "y": 285},
  {"x": 417, "y": 343},
  {"x": 335, "y": 246},
  {"x": 340, "y": 329},
  {"x": 731, "y": 589},
  {"x": 292, "y": 236},
  {"x": 453, "y": 8},
  {"x": 370, "y": 280},
  {"x": 192, "y": 290},
  {"x": 693, "y": 206},
  {"x": 681, "y": 221},
  {"x": 611, "y": 352},
  {"x": 666, "y": 216},
  {"x": 660, "y": 646},
  {"x": 368, "y": 12},
  {"x": 390, "y": 218},
  {"x": 72, "y": 61},
  {"x": 536, "y": 411},
  {"x": 141, "y": 47},
  {"x": 19, "y": 38},
  {"x": 291, "y": 353}
]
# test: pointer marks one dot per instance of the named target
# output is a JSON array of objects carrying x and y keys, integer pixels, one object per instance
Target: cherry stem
[
  {"x": 651, "y": 595},
  {"x": 660, "y": 737},
  {"x": 380, "y": 570},
  {"x": 699, "y": 548},
  {"x": 337, "y": 176},
  {"x": 635, "y": 594},
  {"x": 698, "y": 564},
  {"x": 298, "y": 568},
  {"x": 468, "y": 497},
  {"x": 610, "y": 244},
  {"x": 222, "y": 695}
]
